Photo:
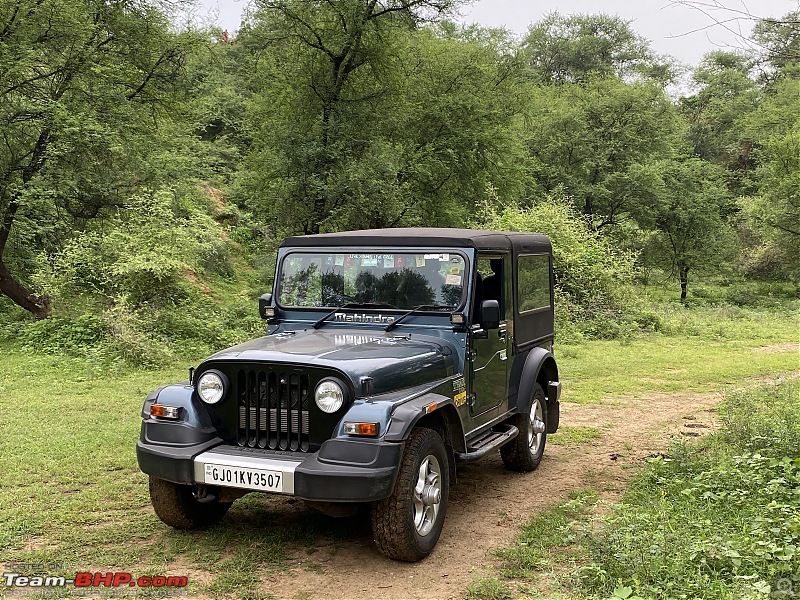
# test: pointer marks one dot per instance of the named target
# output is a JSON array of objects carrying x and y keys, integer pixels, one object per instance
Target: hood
[{"x": 394, "y": 362}]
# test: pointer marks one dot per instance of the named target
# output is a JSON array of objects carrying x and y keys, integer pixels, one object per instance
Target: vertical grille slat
[{"x": 273, "y": 409}]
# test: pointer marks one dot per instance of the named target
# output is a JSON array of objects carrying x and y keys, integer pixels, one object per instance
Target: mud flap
[{"x": 553, "y": 407}]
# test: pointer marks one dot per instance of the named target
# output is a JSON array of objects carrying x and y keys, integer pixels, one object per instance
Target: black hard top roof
[{"x": 427, "y": 237}]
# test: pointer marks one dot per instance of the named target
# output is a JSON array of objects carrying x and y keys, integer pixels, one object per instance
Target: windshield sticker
[
  {"x": 455, "y": 270},
  {"x": 421, "y": 260},
  {"x": 369, "y": 261},
  {"x": 452, "y": 280},
  {"x": 388, "y": 261},
  {"x": 398, "y": 262},
  {"x": 339, "y": 260},
  {"x": 439, "y": 257}
]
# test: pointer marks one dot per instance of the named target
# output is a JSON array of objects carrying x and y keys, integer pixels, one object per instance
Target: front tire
[
  {"x": 178, "y": 505},
  {"x": 407, "y": 524},
  {"x": 524, "y": 452}
]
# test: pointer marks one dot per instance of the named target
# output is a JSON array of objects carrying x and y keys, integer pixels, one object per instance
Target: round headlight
[
  {"x": 211, "y": 387},
  {"x": 329, "y": 396}
]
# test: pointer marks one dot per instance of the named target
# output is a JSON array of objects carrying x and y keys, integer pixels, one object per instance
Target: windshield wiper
[
  {"x": 416, "y": 309},
  {"x": 317, "y": 324}
]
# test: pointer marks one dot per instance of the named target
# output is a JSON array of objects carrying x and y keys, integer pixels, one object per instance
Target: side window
[{"x": 533, "y": 283}]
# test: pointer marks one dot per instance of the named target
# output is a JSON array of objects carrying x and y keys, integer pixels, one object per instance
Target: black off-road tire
[
  {"x": 396, "y": 533},
  {"x": 524, "y": 452},
  {"x": 177, "y": 505}
]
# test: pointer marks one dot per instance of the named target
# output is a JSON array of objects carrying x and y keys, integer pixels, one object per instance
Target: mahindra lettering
[{"x": 390, "y": 356}]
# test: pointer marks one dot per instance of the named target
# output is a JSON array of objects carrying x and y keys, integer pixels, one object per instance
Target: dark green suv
[{"x": 390, "y": 356}]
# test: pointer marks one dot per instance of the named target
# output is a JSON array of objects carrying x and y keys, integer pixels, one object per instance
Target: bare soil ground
[{"x": 489, "y": 504}]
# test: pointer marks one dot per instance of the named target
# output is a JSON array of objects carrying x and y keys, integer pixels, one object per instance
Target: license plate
[{"x": 244, "y": 477}]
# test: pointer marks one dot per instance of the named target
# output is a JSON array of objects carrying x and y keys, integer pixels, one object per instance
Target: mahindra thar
[{"x": 390, "y": 356}]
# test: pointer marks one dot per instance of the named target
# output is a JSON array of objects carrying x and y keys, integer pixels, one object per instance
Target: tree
[
  {"x": 412, "y": 135},
  {"x": 687, "y": 203},
  {"x": 587, "y": 138},
  {"x": 726, "y": 93},
  {"x": 338, "y": 58},
  {"x": 596, "y": 108},
  {"x": 82, "y": 84},
  {"x": 771, "y": 212},
  {"x": 779, "y": 40},
  {"x": 579, "y": 48}
]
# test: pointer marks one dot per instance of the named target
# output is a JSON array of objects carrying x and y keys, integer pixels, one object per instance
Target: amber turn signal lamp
[
  {"x": 366, "y": 429},
  {"x": 165, "y": 412}
]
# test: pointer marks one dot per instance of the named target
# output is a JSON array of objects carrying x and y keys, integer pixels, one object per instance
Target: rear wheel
[
  {"x": 524, "y": 452},
  {"x": 183, "y": 507},
  {"x": 407, "y": 524}
]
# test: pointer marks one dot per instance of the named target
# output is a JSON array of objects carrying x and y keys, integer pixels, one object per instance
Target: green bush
[
  {"x": 131, "y": 288},
  {"x": 139, "y": 254},
  {"x": 81, "y": 334},
  {"x": 765, "y": 420},
  {"x": 595, "y": 297}
]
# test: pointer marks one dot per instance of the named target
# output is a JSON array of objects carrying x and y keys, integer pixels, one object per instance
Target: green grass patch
[
  {"x": 714, "y": 519},
  {"x": 573, "y": 435},
  {"x": 707, "y": 348},
  {"x": 489, "y": 588},
  {"x": 549, "y": 537}
]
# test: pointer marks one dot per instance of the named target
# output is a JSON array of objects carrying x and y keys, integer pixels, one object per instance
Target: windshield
[{"x": 399, "y": 280}]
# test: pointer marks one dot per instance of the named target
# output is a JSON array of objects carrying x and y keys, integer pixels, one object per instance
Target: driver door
[{"x": 489, "y": 348}]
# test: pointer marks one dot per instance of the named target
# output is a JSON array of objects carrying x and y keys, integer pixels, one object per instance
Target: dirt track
[{"x": 489, "y": 503}]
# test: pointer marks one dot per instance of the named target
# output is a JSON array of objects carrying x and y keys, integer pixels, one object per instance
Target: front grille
[{"x": 273, "y": 409}]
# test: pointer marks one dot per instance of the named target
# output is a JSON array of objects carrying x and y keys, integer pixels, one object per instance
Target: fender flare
[
  {"x": 408, "y": 414},
  {"x": 539, "y": 366}
]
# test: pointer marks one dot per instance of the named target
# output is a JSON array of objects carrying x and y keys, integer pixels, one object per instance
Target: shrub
[
  {"x": 594, "y": 295},
  {"x": 765, "y": 420},
  {"x": 80, "y": 334},
  {"x": 130, "y": 289}
]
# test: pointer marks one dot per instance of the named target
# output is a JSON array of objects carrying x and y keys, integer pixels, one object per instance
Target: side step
[{"x": 491, "y": 440}]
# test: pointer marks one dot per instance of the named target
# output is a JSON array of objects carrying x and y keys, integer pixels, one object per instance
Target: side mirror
[
  {"x": 490, "y": 314},
  {"x": 265, "y": 308}
]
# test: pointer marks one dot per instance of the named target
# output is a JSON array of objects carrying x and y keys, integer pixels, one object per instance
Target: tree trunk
[
  {"x": 38, "y": 306},
  {"x": 684, "y": 275},
  {"x": 588, "y": 211}
]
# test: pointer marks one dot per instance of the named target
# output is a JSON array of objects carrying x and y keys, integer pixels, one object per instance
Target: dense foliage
[{"x": 141, "y": 167}]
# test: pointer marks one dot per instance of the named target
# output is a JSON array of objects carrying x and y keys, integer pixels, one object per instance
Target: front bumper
[{"x": 341, "y": 471}]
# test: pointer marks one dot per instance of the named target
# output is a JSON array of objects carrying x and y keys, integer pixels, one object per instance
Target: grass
[
  {"x": 569, "y": 435},
  {"x": 714, "y": 519},
  {"x": 707, "y": 349}
]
